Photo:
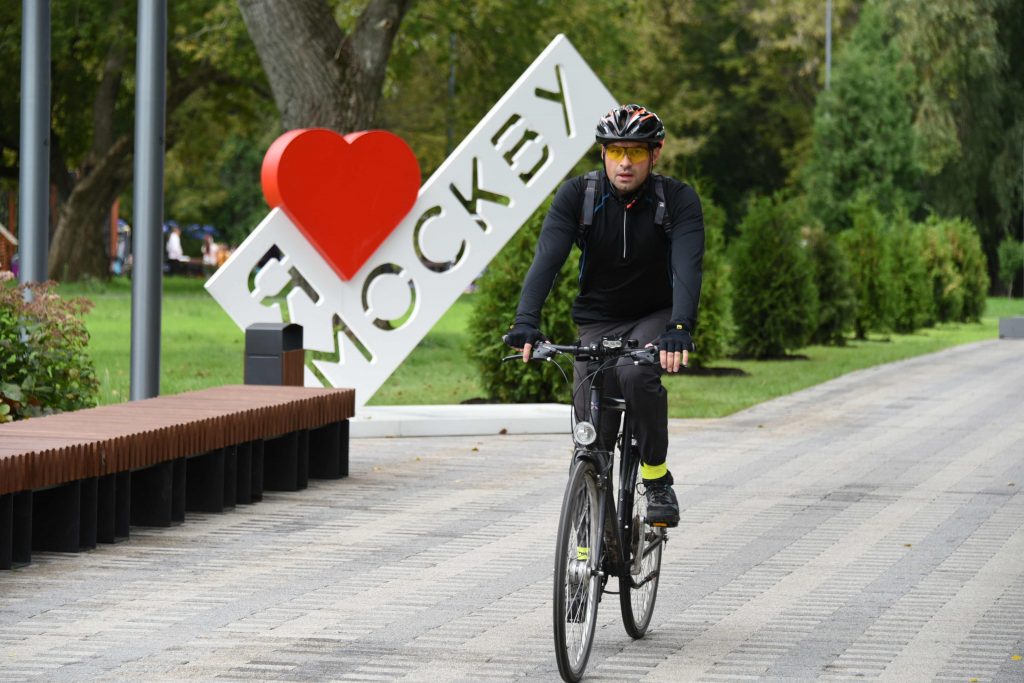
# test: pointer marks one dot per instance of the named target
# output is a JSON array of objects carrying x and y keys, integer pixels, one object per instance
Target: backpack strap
[
  {"x": 589, "y": 200},
  {"x": 661, "y": 213}
]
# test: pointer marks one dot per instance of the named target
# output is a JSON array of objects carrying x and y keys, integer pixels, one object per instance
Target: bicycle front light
[{"x": 584, "y": 433}]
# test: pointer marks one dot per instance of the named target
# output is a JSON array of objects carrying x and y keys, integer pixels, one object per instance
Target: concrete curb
[{"x": 460, "y": 420}]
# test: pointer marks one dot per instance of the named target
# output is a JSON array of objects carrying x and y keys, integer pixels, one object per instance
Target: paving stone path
[{"x": 868, "y": 528}]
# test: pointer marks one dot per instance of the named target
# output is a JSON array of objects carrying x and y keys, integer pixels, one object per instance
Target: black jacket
[{"x": 629, "y": 267}]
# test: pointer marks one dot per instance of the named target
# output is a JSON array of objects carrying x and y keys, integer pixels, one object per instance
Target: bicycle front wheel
[
  {"x": 638, "y": 586},
  {"x": 577, "y": 585}
]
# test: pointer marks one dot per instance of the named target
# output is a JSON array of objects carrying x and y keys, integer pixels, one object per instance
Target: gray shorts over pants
[{"x": 640, "y": 385}]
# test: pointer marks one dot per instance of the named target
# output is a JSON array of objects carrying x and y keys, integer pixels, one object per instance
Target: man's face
[{"x": 625, "y": 173}]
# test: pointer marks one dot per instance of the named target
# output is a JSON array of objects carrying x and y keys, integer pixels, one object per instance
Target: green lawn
[
  {"x": 710, "y": 396},
  {"x": 201, "y": 347}
]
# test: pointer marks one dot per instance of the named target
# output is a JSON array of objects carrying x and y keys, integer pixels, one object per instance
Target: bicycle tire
[
  {"x": 576, "y": 587},
  {"x": 637, "y": 604}
]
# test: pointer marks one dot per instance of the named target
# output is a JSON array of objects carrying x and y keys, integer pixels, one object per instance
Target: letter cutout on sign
[{"x": 358, "y": 330}]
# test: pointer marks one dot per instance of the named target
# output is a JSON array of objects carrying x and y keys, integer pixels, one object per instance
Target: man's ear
[{"x": 656, "y": 153}]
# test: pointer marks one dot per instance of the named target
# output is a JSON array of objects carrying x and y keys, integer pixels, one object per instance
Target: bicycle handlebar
[{"x": 599, "y": 350}]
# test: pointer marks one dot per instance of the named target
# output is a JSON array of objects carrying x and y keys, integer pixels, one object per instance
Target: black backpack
[{"x": 591, "y": 179}]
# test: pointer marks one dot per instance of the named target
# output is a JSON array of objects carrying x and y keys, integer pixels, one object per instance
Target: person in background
[
  {"x": 174, "y": 252},
  {"x": 210, "y": 252}
]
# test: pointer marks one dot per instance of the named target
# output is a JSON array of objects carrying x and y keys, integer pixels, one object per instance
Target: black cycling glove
[
  {"x": 521, "y": 334},
  {"x": 675, "y": 338}
]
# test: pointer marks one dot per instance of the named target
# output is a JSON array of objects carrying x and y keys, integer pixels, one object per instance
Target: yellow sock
[{"x": 653, "y": 471}]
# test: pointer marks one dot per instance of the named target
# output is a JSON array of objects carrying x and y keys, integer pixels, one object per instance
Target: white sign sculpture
[{"x": 472, "y": 205}]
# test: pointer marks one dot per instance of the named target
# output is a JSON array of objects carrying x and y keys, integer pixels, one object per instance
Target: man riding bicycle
[{"x": 642, "y": 244}]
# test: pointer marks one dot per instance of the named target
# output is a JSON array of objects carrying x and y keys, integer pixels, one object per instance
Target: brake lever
[
  {"x": 647, "y": 356},
  {"x": 543, "y": 352}
]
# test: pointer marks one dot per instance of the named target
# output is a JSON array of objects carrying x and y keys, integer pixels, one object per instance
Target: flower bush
[{"x": 44, "y": 367}]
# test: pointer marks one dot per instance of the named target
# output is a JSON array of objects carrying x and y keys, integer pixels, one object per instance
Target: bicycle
[{"x": 598, "y": 537}]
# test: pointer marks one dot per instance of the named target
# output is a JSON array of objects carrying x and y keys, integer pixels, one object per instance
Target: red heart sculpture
[{"x": 346, "y": 194}]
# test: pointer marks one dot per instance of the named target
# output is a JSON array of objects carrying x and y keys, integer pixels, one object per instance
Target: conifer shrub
[
  {"x": 1011, "y": 262},
  {"x": 971, "y": 264},
  {"x": 913, "y": 304},
  {"x": 713, "y": 319},
  {"x": 494, "y": 309},
  {"x": 867, "y": 248},
  {"x": 943, "y": 274},
  {"x": 774, "y": 300},
  {"x": 836, "y": 300},
  {"x": 44, "y": 367}
]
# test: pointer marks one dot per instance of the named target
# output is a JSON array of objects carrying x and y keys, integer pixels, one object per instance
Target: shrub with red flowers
[{"x": 44, "y": 367}]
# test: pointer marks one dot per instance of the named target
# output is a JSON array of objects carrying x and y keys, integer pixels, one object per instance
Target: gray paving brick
[{"x": 862, "y": 529}]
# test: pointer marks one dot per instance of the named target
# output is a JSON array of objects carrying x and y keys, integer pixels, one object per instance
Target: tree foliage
[
  {"x": 862, "y": 138},
  {"x": 968, "y": 99},
  {"x": 736, "y": 82},
  {"x": 213, "y": 82}
]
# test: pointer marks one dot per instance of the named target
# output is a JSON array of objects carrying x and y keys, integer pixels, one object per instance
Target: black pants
[{"x": 640, "y": 385}]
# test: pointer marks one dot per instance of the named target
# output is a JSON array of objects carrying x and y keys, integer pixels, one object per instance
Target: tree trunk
[
  {"x": 321, "y": 77},
  {"x": 79, "y": 247}
]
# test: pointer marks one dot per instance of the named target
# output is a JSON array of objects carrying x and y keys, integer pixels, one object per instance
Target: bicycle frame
[
  {"x": 610, "y": 522},
  {"x": 617, "y": 543}
]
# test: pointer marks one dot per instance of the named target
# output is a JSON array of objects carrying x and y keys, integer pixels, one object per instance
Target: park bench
[{"x": 72, "y": 480}]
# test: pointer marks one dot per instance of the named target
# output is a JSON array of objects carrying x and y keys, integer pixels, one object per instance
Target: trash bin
[{"x": 274, "y": 354}]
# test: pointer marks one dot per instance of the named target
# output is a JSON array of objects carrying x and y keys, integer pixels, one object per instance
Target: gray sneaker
[{"x": 662, "y": 506}]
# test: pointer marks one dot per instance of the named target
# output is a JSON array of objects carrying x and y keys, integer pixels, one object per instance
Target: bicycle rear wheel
[
  {"x": 644, "y": 559},
  {"x": 577, "y": 557}
]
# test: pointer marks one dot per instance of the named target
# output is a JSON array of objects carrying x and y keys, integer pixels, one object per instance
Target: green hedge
[
  {"x": 713, "y": 332},
  {"x": 969, "y": 259},
  {"x": 774, "y": 299},
  {"x": 495, "y": 308},
  {"x": 1011, "y": 262},
  {"x": 836, "y": 299},
  {"x": 867, "y": 247},
  {"x": 913, "y": 304}
]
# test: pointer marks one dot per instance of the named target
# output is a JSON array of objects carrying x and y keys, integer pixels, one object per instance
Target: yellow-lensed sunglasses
[{"x": 635, "y": 154}]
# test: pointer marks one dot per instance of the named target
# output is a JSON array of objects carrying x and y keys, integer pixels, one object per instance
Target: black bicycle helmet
[{"x": 630, "y": 123}]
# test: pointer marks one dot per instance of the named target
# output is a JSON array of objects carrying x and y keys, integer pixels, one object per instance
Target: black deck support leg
[
  {"x": 328, "y": 451},
  {"x": 88, "y": 513},
  {"x": 151, "y": 495},
  {"x": 15, "y": 529},
  {"x": 230, "y": 476},
  {"x": 180, "y": 482},
  {"x": 204, "y": 490},
  {"x": 243, "y": 481},
  {"x": 113, "y": 507},
  {"x": 286, "y": 462},
  {"x": 56, "y": 519},
  {"x": 256, "y": 485}
]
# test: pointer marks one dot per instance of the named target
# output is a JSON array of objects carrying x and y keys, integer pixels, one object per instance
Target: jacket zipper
[{"x": 623, "y": 235}]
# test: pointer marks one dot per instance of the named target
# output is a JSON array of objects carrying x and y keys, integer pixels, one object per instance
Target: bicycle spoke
[
  {"x": 575, "y": 609},
  {"x": 639, "y": 590}
]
